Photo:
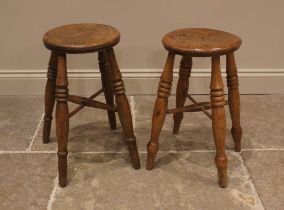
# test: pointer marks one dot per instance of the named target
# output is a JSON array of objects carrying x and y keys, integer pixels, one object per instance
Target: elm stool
[
  {"x": 77, "y": 39},
  {"x": 195, "y": 42}
]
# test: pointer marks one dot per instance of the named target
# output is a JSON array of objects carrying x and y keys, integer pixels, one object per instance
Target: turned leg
[
  {"x": 123, "y": 108},
  {"x": 62, "y": 119},
  {"x": 218, "y": 120},
  {"x": 234, "y": 100},
  {"x": 160, "y": 109},
  {"x": 106, "y": 82},
  {"x": 49, "y": 97},
  {"x": 182, "y": 90}
]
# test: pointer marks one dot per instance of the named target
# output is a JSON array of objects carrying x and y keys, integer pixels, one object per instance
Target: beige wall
[{"x": 142, "y": 25}]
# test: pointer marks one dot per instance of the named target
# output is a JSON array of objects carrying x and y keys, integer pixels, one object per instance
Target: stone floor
[{"x": 100, "y": 175}]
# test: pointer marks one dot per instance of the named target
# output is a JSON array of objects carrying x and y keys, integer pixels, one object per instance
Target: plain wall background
[{"x": 142, "y": 24}]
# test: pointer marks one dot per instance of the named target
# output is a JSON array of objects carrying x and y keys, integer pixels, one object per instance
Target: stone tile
[
  {"x": 263, "y": 120},
  {"x": 89, "y": 131},
  {"x": 19, "y": 118},
  {"x": 26, "y": 180},
  {"x": 262, "y": 124},
  {"x": 180, "y": 181},
  {"x": 267, "y": 171}
]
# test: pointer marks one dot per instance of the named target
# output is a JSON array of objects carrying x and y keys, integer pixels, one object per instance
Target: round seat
[
  {"x": 81, "y": 38},
  {"x": 201, "y": 42}
]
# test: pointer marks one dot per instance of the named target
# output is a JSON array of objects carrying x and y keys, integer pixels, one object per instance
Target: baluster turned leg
[
  {"x": 123, "y": 108},
  {"x": 182, "y": 90},
  {"x": 49, "y": 97},
  {"x": 106, "y": 82},
  {"x": 234, "y": 100},
  {"x": 160, "y": 109},
  {"x": 219, "y": 120},
  {"x": 62, "y": 119}
]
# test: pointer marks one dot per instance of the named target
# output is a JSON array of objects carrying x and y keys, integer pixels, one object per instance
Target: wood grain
[
  {"x": 81, "y": 38},
  {"x": 199, "y": 42}
]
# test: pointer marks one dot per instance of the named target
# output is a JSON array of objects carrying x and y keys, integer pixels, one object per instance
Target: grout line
[
  {"x": 132, "y": 108},
  {"x": 35, "y": 134},
  {"x": 250, "y": 181},
  {"x": 28, "y": 152},
  {"x": 267, "y": 149},
  {"x": 53, "y": 194},
  {"x": 124, "y": 152}
]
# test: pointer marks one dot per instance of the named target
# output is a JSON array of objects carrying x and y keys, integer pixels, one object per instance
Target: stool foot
[
  {"x": 182, "y": 90},
  {"x": 237, "y": 136},
  {"x": 46, "y": 129},
  {"x": 221, "y": 163},
  {"x": 49, "y": 97},
  {"x": 134, "y": 155},
  {"x": 152, "y": 149},
  {"x": 62, "y": 170}
]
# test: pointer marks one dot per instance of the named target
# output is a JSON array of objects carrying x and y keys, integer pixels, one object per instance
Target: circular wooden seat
[
  {"x": 81, "y": 38},
  {"x": 201, "y": 42}
]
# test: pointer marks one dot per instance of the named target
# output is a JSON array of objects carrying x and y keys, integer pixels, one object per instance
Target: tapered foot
[
  {"x": 46, "y": 129},
  {"x": 221, "y": 163},
  {"x": 62, "y": 170},
  {"x": 152, "y": 149},
  {"x": 134, "y": 155},
  {"x": 237, "y": 136}
]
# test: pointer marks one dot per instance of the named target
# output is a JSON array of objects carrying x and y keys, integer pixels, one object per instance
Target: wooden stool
[
  {"x": 75, "y": 39},
  {"x": 199, "y": 43}
]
